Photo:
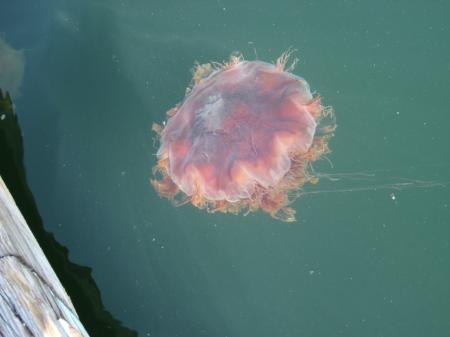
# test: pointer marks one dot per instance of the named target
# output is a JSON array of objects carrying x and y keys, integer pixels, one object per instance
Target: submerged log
[{"x": 32, "y": 300}]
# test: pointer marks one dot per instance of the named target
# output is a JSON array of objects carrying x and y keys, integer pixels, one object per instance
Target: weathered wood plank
[{"x": 32, "y": 300}]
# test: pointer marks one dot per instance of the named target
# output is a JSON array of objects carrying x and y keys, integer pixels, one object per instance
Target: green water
[{"x": 369, "y": 254}]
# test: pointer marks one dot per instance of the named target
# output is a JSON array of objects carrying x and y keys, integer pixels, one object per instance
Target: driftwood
[{"x": 32, "y": 300}]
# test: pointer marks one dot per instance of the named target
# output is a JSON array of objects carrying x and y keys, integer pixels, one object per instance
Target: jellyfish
[{"x": 243, "y": 139}]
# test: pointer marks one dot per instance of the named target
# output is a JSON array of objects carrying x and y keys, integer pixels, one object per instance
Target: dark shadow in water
[{"x": 76, "y": 279}]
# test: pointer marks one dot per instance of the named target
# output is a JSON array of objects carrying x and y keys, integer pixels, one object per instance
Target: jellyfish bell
[{"x": 243, "y": 139}]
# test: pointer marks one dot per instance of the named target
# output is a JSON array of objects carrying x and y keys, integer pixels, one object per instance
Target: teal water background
[{"x": 368, "y": 256}]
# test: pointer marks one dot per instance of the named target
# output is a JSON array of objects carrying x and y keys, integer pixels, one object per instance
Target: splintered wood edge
[{"x": 32, "y": 300}]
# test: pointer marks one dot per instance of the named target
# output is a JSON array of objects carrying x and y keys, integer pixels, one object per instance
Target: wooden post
[{"x": 32, "y": 300}]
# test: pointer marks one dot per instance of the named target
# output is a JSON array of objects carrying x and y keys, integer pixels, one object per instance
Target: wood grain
[{"x": 32, "y": 300}]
